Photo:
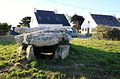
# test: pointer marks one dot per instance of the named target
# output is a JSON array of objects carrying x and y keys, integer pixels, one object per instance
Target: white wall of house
[
  {"x": 88, "y": 23},
  {"x": 92, "y": 22},
  {"x": 85, "y": 27},
  {"x": 34, "y": 22}
]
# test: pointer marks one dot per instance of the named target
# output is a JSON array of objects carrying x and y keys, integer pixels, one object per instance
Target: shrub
[
  {"x": 106, "y": 32},
  {"x": 4, "y": 28},
  {"x": 115, "y": 34}
]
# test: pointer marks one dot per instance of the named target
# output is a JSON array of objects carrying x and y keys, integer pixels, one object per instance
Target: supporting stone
[
  {"x": 62, "y": 51},
  {"x": 30, "y": 52},
  {"x": 19, "y": 50}
]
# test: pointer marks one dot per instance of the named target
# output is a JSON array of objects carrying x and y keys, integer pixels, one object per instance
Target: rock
[
  {"x": 30, "y": 52},
  {"x": 39, "y": 39},
  {"x": 19, "y": 50},
  {"x": 42, "y": 37},
  {"x": 62, "y": 51},
  {"x": 22, "y": 30},
  {"x": 67, "y": 37}
]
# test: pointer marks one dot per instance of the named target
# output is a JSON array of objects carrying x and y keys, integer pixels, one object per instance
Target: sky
[{"x": 12, "y": 11}]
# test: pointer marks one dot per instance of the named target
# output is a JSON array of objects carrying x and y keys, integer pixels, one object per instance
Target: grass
[{"x": 88, "y": 59}]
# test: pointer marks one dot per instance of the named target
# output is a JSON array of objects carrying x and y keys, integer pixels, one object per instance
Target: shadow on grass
[{"x": 83, "y": 61}]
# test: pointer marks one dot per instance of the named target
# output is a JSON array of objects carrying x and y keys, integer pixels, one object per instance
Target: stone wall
[{"x": 7, "y": 38}]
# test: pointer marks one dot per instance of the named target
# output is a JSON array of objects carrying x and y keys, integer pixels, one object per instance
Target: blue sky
[{"x": 12, "y": 11}]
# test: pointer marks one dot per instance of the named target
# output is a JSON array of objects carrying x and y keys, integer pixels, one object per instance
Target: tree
[
  {"x": 25, "y": 22},
  {"x": 119, "y": 19},
  {"x": 77, "y": 21},
  {"x": 68, "y": 17},
  {"x": 4, "y": 28}
]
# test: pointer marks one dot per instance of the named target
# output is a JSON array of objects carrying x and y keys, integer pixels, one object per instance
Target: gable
[
  {"x": 105, "y": 20},
  {"x": 49, "y": 17}
]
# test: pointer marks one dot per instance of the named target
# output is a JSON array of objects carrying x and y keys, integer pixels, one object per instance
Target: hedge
[{"x": 106, "y": 32}]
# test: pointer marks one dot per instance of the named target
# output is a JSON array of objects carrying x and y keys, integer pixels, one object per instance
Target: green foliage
[
  {"x": 25, "y": 22},
  {"x": 114, "y": 34},
  {"x": 106, "y": 32},
  {"x": 77, "y": 21},
  {"x": 4, "y": 28},
  {"x": 119, "y": 19}
]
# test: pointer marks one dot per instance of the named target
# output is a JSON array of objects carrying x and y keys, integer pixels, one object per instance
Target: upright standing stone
[
  {"x": 62, "y": 51},
  {"x": 19, "y": 50},
  {"x": 65, "y": 51},
  {"x": 30, "y": 52}
]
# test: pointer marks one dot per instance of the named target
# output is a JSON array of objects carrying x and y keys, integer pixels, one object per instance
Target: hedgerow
[{"x": 106, "y": 32}]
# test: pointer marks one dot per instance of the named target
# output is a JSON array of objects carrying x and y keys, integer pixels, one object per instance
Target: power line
[{"x": 64, "y": 4}]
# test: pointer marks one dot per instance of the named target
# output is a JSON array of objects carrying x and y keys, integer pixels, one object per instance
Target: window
[
  {"x": 82, "y": 29},
  {"x": 88, "y": 22}
]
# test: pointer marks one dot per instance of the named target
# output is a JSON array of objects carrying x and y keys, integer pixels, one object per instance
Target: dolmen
[{"x": 53, "y": 39}]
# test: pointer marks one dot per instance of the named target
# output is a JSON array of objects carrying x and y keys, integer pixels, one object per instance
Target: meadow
[{"x": 88, "y": 59}]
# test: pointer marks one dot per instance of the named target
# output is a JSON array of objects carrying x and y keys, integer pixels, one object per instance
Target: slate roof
[
  {"x": 105, "y": 20},
  {"x": 49, "y": 17}
]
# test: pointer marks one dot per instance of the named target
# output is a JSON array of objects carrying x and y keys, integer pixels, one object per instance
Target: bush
[
  {"x": 115, "y": 34},
  {"x": 106, "y": 32},
  {"x": 4, "y": 28}
]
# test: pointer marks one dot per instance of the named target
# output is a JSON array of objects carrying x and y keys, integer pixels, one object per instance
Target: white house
[
  {"x": 94, "y": 20},
  {"x": 49, "y": 19}
]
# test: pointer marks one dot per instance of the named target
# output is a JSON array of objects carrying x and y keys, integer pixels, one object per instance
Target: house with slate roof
[
  {"x": 45, "y": 19},
  {"x": 94, "y": 20}
]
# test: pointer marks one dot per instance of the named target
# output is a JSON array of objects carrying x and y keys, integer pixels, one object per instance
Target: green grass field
[{"x": 88, "y": 59}]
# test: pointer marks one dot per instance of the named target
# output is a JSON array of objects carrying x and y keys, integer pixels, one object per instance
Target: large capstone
[
  {"x": 40, "y": 38},
  {"x": 22, "y": 30}
]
